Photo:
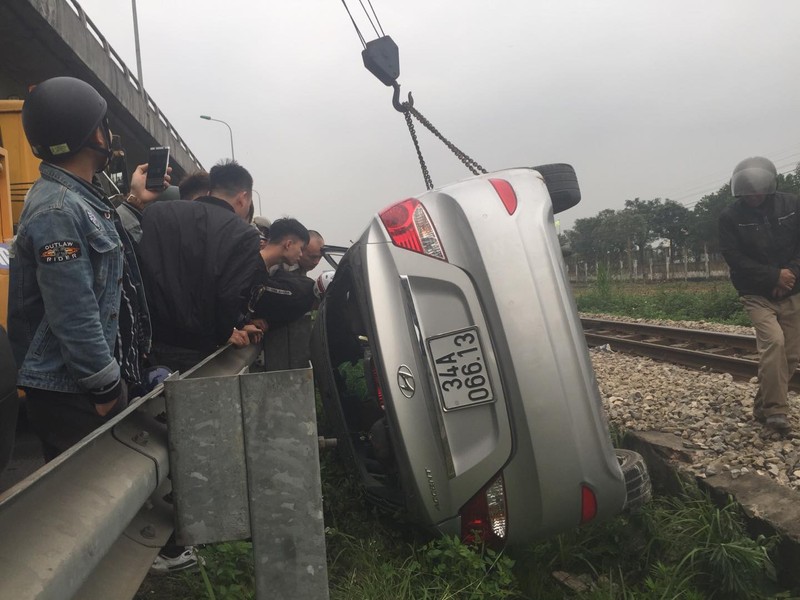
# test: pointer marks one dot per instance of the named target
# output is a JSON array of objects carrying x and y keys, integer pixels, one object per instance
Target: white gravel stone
[{"x": 709, "y": 411}]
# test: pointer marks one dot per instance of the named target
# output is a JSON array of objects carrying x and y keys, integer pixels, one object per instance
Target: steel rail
[
  {"x": 741, "y": 344},
  {"x": 720, "y": 352}
]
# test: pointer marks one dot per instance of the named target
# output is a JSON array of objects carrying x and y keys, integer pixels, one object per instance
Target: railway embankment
[{"x": 695, "y": 424}]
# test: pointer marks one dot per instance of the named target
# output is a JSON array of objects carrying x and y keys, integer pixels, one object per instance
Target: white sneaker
[{"x": 185, "y": 560}]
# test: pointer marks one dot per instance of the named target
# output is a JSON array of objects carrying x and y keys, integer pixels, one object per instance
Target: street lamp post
[
  {"x": 138, "y": 52},
  {"x": 207, "y": 118},
  {"x": 255, "y": 191}
]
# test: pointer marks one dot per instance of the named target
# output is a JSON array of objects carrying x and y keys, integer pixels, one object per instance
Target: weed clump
[{"x": 683, "y": 547}]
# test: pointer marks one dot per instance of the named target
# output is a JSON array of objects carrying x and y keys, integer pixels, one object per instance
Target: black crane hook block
[{"x": 382, "y": 59}]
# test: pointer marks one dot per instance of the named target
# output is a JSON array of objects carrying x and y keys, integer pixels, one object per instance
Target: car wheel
[
  {"x": 637, "y": 480},
  {"x": 562, "y": 185}
]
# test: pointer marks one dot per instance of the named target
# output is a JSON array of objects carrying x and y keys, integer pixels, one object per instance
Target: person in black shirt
[
  {"x": 198, "y": 259},
  {"x": 279, "y": 296}
]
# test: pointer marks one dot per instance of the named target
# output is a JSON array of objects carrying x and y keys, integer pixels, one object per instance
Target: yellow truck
[{"x": 19, "y": 168}]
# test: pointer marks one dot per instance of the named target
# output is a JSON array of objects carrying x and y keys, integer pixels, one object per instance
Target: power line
[
  {"x": 691, "y": 190},
  {"x": 790, "y": 167}
]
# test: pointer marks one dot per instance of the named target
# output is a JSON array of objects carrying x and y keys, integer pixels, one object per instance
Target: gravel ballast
[{"x": 710, "y": 412}]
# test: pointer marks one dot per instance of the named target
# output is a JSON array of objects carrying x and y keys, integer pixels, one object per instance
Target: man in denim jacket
[{"x": 78, "y": 319}]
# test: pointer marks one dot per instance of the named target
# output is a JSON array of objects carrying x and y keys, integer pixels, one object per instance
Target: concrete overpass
[{"x": 40, "y": 39}]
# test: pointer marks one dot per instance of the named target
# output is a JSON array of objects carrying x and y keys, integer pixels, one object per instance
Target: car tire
[
  {"x": 562, "y": 185},
  {"x": 638, "y": 488}
]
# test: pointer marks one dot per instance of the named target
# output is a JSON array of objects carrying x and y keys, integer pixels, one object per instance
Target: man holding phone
[
  {"x": 199, "y": 259},
  {"x": 78, "y": 318}
]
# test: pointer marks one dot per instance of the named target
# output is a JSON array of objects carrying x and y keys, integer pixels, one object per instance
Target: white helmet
[{"x": 322, "y": 283}]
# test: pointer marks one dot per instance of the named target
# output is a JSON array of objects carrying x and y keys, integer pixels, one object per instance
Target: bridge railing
[
  {"x": 116, "y": 59},
  {"x": 62, "y": 31}
]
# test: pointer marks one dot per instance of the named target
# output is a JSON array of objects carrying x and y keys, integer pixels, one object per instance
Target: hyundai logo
[{"x": 405, "y": 379}]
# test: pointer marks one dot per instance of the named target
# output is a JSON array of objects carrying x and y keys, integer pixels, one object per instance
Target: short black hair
[
  {"x": 283, "y": 228},
  {"x": 198, "y": 183},
  {"x": 231, "y": 177}
]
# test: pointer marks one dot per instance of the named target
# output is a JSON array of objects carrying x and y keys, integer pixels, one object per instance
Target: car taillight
[
  {"x": 411, "y": 228},
  {"x": 377, "y": 383},
  {"x": 506, "y": 193},
  {"x": 485, "y": 517},
  {"x": 588, "y": 504}
]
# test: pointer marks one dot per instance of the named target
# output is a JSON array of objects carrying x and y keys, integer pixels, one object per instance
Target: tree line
[{"x": 657, "y": 226}]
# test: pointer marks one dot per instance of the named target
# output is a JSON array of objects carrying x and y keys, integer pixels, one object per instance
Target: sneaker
[
  {"x": 778, "y": 423},
  {"x": 168, "y": 564}
]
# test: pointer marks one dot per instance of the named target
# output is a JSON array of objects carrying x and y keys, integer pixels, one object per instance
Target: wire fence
[{"x": 651, "y": 269}]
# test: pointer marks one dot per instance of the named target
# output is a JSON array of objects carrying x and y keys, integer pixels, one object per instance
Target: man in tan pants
[{"x": 760, "y": 239}]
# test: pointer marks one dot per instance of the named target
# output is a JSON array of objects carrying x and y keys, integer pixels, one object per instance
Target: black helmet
[
  {"x": 60, "y": 116},
  {"x": 754, "y": 177}
]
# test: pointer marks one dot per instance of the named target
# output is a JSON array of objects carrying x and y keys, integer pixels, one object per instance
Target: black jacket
[
  {"x": 280, "y": 298},
  {"x": 758, "y": 242},
  {"x": 198, "y": 260}
]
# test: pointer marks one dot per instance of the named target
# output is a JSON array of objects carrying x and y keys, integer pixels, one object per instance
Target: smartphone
[{"x": 157, "y": 162}]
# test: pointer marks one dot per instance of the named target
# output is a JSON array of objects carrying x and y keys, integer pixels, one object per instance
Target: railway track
[{"x": 699, "y": 349}]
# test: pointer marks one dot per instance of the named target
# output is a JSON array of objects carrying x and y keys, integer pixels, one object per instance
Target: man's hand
[
  {"x": 786, "y": 280},
  {"x": 139, "y": 180},
  {"x": 261, "y": 324},
  {"x": 253, "y": 332},
  {"x": 239, "y": 338},
  {"x": 104, "y": 409}
]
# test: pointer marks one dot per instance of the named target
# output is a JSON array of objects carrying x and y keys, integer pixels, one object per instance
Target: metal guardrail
[
  {"x": 89, "y": 523},
  {"x": 59, "y": 523}
]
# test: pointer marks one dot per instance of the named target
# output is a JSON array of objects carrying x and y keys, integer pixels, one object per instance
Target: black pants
[
  {"x": 174, "y": 357},
  {"x": 61, "y": 420}
]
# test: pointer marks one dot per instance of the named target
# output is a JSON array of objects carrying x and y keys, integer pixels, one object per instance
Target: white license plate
[{"x": 460, "y": 368}]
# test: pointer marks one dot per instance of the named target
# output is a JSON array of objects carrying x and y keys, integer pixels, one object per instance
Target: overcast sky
[{"x": 644, "y": 98}]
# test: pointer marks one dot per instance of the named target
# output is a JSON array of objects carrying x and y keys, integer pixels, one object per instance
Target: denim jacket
[{"x": 65, "y": 287}]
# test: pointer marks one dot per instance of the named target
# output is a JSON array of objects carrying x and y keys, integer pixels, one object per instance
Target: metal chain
[
  {"x": 470, "y": 163},
  {"x": 425, "y": 174}
]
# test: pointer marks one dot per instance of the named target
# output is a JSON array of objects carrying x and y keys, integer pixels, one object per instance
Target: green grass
[
  {"x": 683, "y": 547},
  {"x": 675, "y": 547},
  {"x": 715, "y": 301}
]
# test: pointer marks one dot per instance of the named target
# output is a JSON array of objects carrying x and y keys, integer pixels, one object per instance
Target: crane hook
[{"x": 402, "y": 107}]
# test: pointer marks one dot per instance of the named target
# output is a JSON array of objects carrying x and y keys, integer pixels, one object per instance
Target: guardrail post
[
  {"x": 287, "y": 346},
  {"x": 283, "y": 479},
  {"x": 244, "y": 461}
]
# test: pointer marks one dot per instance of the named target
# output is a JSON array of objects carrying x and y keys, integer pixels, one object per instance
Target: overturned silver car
[{"x": 453, "y": 367}]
